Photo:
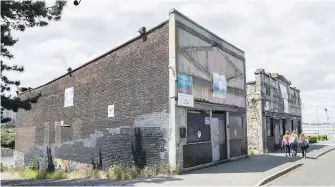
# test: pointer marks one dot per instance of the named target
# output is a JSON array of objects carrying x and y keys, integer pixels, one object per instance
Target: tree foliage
[{"x": 19, "y": 15}]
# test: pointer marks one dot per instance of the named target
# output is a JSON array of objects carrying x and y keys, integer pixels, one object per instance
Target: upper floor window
[{"x": 267, "y": 89}]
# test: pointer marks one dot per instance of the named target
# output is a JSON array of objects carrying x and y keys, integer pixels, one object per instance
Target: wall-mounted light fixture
[
  {"x": 76, "y": 2},
  {"x": 143, "y": 33},
  {"x": 69, "y": 70}
]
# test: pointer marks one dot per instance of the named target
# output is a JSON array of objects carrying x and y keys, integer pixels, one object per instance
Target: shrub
[
  {"x": 8, "y": 125},
  {"x": 3, "y": 167},
  {"x": 322, "y": 137},
  {"x": 312, "y": 139},
  {"x": 7, "y": 137},
  {"x": 33, "y": 164}
]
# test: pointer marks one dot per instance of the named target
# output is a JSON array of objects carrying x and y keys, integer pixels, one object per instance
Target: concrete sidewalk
[{"x": 244, "y": 172}]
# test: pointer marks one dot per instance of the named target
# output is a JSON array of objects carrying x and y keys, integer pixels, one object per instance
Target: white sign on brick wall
[
  {"x": 68, "y": 97},
  {"x": 110, "y": 111}
]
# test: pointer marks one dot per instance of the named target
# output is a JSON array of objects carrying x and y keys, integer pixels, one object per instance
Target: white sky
[{"x": 295, "y": 39}]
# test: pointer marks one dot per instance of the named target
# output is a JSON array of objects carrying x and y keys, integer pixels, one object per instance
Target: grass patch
[
  {"x": 87, "y": 174},
  {"x": 35, "y": 174},
  {"x": 126, "y": 173},
  {"x": 115, "y": 172},
  {"x": 56, "y": 175}
]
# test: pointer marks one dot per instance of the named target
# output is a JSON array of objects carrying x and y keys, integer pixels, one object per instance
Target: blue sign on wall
[{"x": 185, "y": 84}]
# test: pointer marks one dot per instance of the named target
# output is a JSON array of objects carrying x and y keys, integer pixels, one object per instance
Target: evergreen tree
[{"x": 18, "y": 15}]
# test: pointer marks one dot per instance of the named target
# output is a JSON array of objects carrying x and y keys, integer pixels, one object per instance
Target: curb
[
  {"x": 322, "y": 153},
  {"x": 286, "y": 170},
  {"x": 277, "y": 175}
]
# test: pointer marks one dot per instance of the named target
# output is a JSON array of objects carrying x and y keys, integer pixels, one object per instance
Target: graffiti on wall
[{"x": 69, "y": 165}]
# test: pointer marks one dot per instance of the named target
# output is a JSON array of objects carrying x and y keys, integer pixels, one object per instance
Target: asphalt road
[{"x": 320, "y": 172}]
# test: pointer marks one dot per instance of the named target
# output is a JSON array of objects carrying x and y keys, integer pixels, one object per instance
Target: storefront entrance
[{"x": 206, "y": 139}]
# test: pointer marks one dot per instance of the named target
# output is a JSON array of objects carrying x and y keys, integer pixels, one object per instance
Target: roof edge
[
  {"x": 100, "y": 56},
  {"x": 195, "y": 23}
]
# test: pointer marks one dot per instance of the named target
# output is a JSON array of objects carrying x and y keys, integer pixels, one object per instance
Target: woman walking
[
  {"x": 294, "y": 143},
  {"x": 304, "y": 145},
  {"x": 285, "y": 143}
]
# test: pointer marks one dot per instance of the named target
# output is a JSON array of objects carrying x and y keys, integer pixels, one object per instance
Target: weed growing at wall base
[
  {"x": 3, "y": 167},
  {"x": 125, "y": 173},
  {"x": 115, "y": 172}
]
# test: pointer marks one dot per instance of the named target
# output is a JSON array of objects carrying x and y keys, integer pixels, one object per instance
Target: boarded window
[
  {"x": 267, "y": 89},
  {"x": 197, "y": 128},
  {"x": 236, "y": 126},
  {"x": 270, "y": 126},
  {"x": 68, "y": 97}
]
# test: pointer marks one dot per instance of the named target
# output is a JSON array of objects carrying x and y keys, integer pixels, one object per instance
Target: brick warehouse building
[
  {"x": 175, "y": 94},
  {"x": 273, "y": 107}
]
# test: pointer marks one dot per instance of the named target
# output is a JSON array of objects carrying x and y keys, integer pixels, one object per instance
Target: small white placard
[
  {"x": 110, "y": 111},
  {"x": 207, "y": 121},
  {"x": 185, "y": 100}
]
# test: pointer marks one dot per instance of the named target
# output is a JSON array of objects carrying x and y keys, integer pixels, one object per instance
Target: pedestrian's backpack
[{"x": 305, "y": 143}]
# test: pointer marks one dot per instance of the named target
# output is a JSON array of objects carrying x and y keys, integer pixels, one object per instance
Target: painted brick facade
[{"x": 133, "y": 78}]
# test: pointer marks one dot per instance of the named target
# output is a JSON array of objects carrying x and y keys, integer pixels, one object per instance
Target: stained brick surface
[{"x": 133, "y": 78}]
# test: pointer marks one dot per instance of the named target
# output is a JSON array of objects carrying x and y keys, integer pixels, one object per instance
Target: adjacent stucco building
[
  {"x": 273, "y": 107},
  {"x": 174, "y": 94}
]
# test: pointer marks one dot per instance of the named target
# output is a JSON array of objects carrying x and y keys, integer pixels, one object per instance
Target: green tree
[{"x": 19, "y": 15}]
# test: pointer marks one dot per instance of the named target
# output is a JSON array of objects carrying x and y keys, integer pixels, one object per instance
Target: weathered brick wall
[{"x": 133, "y": 78}]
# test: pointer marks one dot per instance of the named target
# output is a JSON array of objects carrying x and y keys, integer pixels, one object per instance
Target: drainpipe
[{"x": 228, "y": 135}]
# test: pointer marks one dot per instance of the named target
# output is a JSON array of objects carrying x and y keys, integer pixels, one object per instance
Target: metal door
[{"x": 215, "y": 139}]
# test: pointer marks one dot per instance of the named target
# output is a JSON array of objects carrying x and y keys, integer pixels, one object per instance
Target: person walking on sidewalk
[
  {"x": 294, "y": 144},
  {"x": 304, "y": 144},
  {"x": 286, "y": 144}
]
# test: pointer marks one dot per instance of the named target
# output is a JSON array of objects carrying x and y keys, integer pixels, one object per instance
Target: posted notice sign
[
  {"x": 219, "y": 86},
  {"x": 185, "y": 84},
  {"x": 110, "y": 111}
]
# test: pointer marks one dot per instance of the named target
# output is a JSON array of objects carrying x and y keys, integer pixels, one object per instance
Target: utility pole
[
  {"x": 327, "y": 119},
  {"x": 317, "y": 114}
]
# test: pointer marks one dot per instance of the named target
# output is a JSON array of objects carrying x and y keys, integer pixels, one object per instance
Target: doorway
[
  {"x": 283, "y": 124},
  {"x": 218, "y": 130}
]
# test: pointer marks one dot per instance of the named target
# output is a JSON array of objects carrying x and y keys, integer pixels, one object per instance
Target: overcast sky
[{"x": 295, "y": 39}]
